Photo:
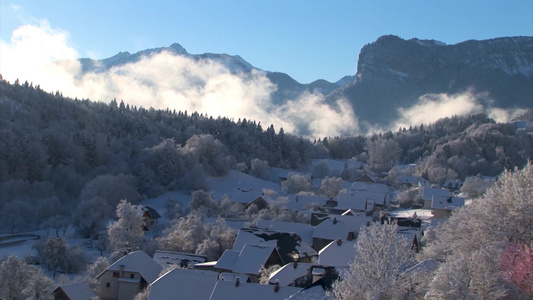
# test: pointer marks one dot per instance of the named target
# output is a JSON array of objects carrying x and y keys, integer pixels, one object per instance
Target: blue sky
[{"x": 306, "y": 39}]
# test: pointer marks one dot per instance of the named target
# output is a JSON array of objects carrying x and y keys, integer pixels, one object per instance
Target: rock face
[{"x": 394, "y": 73}]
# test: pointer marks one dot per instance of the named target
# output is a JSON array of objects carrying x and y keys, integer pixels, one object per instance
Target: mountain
[
  {"x": 288, "y": 88},
  {"x": 393, "y": 73}
]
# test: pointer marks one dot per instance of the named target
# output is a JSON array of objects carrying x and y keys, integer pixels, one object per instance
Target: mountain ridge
[{"x": 394, "y": 73}]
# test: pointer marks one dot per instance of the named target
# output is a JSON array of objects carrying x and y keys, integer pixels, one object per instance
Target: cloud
[
  {"x": 42, "y": 55},
  {"x": 432, "y": 107}
]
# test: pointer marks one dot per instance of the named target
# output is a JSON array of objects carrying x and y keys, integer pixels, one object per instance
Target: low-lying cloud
[
  {"x": 432, "y": 107},
  {"x": 42, "y": 55}
]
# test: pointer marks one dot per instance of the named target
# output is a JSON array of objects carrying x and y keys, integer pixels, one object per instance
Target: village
[{"x": 309, "y": 257}]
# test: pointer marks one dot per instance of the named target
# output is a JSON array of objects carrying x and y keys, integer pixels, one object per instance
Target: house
[
  {"x": 150, "y": 216},
  {"x": 443, "y": 206},
  {"x": 305, "y": 231},
  {"x": 314, "y": 292},
  {"x": 452, "y": 184},
  {"x": 337, "y": 253},
  {"x": 128, "y": 276},
  {"x": 187, "y": 283},
  {"x": 328, "y": 231},
  {"x": 247, "y": 197},
  {"x": 352, "y": 219},
  {"x": 367, "y": 178},
  {"x": 305, "y": 202},
  {"x": 337, "y": 167},
  {"x": 357, "y": 202},
  {"x": 291, "y": 274},
  {"x": 287, "y": 244},
  {"x": 429, "y": 193},
  {"x": 238, "y": 290},
  {"x": 410, "y": 180},
  {"x": 74, "y": 291},
  {"x": 364, "y": 196},
  {"x": 249, "y": 260},
  {"x": 179, "y": 259},
  {"x": 413, "y": 235}
]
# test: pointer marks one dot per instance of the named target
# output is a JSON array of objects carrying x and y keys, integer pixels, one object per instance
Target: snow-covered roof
[
  {"x": 305, "y": 231},
  {"x": 353, "y": 222},
  {"x": 139, "y": 262},
  {"x": 337, "y": 166},
  {"x": 247, "y": 261},
  {"x": 301, "y": 202},
  {"x": 227, "y": 260},
  {"x": 447, "y": 203},
  {"x": 315, "y": 292},
  {"x": 246, "y": 195},
  {"x": 245, "y": 291},
  {"x": 285, "y": 242},
  {"x": 188, "y": 284},
  {"x": 354, "y": 202},
  {"x": 410, "y": 179},
  {"x": 154, "y": 214},
  {"x": 169, "y": 258},
  {"x": 289, "y": 273},
  {"x": 429, "y": 193},
  {"x": 226, "y": 185},
  {"x": 78, "y": 291},
  {"x": 331, "y": 229},
  {"x": 252, "y": 258},
  {"x": 337, "y": 254},
  {"x": 369, "y": 187}
]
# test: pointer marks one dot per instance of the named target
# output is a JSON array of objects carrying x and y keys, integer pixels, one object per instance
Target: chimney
[
  {"x": 276, "y": 287},
  {"x": 237, "y": 281},
  {"x": 121, "y": 274}
]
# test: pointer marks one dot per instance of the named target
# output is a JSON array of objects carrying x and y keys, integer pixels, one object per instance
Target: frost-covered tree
[
  {"x": 53, "y": 253},
  {"x": 383, "y": 154},
  {"x": 184, "y": 235},
  {"x": 259, "y": 168},
  {"x": 90, "y": 215},
  {"x": 209, "y": 152},
  {"x": 15, "y": 276},
  {"x": 97, "y": 267},
  {"x": 219, "y": 238},
  {"x": 503, "y": 215},
  {"x": 173, "y": 209},
  {"x": 39, "y": 287},
  {"x": 296, "y": 183},
  {"x": 331, "y": 186},
  {"x": 193, "y": 180},
  {"x": 203, "y": 202},
  {"x": 321, "y": 170},
  {"x": 112, "y": 188},
  {"x": 516, "y": 266},
  {"x": 474, "y": 276},
  {"x": 381, "y": 256},
  {"x": 475, "y": 187},
  {"x": 127, "y": 232}
]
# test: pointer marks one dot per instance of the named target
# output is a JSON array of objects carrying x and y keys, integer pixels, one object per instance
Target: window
[
  {"x": 116, "y": 274},
  {"x": 132, "y": 276},
  {"x": 108, "y": 284}
]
